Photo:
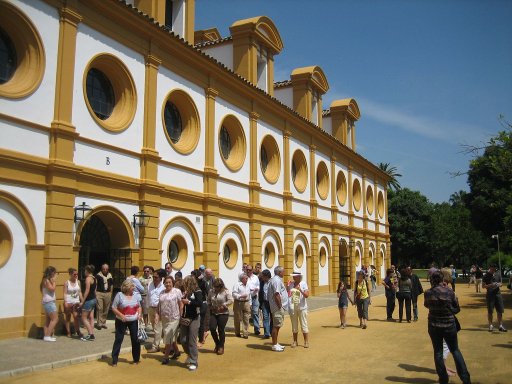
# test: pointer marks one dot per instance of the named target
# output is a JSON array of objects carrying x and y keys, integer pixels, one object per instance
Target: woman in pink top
[{"x": 169, "y": 310}]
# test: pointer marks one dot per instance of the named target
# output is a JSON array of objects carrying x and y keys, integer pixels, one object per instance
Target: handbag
[
  {"x": 457, "y": 324},
  {"x": 185, "y": 321},
  {"x": 142, "y": 336}
]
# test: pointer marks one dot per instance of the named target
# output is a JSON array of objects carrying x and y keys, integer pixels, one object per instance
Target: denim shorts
[
  {"x": 50, "y": 307},
  {"x": 89, "y": 305}
]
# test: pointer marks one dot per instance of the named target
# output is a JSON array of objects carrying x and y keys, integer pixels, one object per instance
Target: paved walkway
[{"x": 385, "y": 352}]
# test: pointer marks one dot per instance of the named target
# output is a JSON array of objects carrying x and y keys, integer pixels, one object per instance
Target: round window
[
  {"x": 356, "y": 194},
  {"x": 5, "y": 244},
  {"x": 8, "y": 57},
  {"x": 232, "y": 145},
  {"x": 369, "y": 200},
  {"x": 269, "y": 255},
  {"x": 270, "y": 160},
  {"x": 299, "y": 171},
  {"x": 323, "y": 257},
  {"x": 380, "y": 204},
  {"x": 299, "y": 256},
  {"x": 100, "y": 93},
  {"x": 173, "y": 123},
  {"x": 322, "y": 180},
  {"x": 230, "y": 254},
  {"x": 341, "y": 188},
  {"x": 178, "y": 252}
]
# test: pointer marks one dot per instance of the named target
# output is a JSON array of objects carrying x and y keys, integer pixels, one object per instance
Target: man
[
  {"x": 257, "y": 269},
  {"x": 168, "y": 268},
  {"x": 145, "y": 279},
  {"x": 278, "y": 300},
  {"x": 254, "y": 286},
  {"x": 390, "y": 293},
  {"x": 416, "y": 290},
  {"x": 264, "y": 277},
  {"x": 104, "y": 285},
  {"x": 492, "y": 283},
  {"x": 454, "y": 276},
  {"x": 242, "y": 305},
  {"x": 155, "y": 288},
  {"x": 139, "y": 289}
]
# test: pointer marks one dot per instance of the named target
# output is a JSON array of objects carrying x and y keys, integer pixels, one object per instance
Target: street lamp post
[{"x": 497, "y": 237}]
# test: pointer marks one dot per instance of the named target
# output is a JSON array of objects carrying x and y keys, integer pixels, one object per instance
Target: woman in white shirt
[
  {"x": 298, "y": 291},
  {"x": 72, "y": 299}
]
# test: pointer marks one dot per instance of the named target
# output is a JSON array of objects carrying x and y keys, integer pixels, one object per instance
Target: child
[{"x": 344, "y": 298}]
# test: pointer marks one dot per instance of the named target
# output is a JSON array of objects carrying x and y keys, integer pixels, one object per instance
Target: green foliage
[
  {"x": 393, "y": 183},
  {"x": 490, "y": 181}
]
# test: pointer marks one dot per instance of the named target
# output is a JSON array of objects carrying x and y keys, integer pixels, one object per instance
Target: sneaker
[
  {"x": 491, "y": 328},
  {"x": 502, "y": 328},
  {"x": 88, "y": 338},
  {"x": 364, "y": 326},
  {"x": 277, "y": 348},
  {"x": 280, "y": 346},
  {"x": 49, "y": 338},
  {"x": 192, "y": 367}
]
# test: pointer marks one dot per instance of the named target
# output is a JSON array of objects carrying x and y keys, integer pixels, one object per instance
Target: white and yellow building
[{"x": 173, "y": 144}]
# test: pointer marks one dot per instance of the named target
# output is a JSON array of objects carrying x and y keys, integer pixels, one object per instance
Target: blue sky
[{"x": 428, "y": 75}]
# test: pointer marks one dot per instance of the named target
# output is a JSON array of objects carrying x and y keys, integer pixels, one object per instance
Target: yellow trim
[
  {"x": 233, "y": 253},
  {"x": 341, "y": 188},
  {"x": 263, "y": 28},
  {"x": 301, "y": 167},
  {"x": 27, "y": 220},
  {"x": 380, "y": 204},
  {"x": 125, "y": 94},
  {"x": 298, "y": 259},
  {"x": 369, "y": 200},
  {"x": 271, "y": 255},
  {"x": 188, "y": 224},
  {"x": 30, "y": 53},
  {"x": 240, "y": 234},
  {"x": 356, "y": 194},
  {"x": 182, "y": 252},
  {"x": 273, "y": 234},
  {"x": 5, "y": 243}
]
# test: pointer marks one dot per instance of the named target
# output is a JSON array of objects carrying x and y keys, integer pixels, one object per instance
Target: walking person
[
  {"x": 88, "y": 303},
  {"x": 298, "y": 308},
  {"x": 443, "y": 305},
  {"x": 492, "y": 284},
  {"x": 472, "y": 271},
  {"x": 362, "y": 299},
  {"x": 155, "y": 289},
  {"x": 278, "y": 300},
  {"x": 47, "y": 287},
  {"x": 454, "y": 276},
  {"x": 265, "y": 276},
  {"x": 189, "y": 324},
  {"x": 478, "y": 279},
  {"x": 242, "y": 306},
  {"x": 169, "y": 310},
  {"x": 254, "y": 285},
  {"x": 72, "y": 299},
  {"x": 404, "y": 295},
  {"x": 127, "y": 308},
  {"x": 416, "y": 290},
  {"x": 390, "y": 293},
  {"x": 145, "y": 279},
  {"x": 343, "y": 299},
  {"x": 219, "y": 300},
  {"x": 104, "y": 288}
]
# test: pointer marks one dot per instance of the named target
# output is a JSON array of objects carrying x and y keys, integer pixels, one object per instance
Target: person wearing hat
[{"x": 298, "y": 309}]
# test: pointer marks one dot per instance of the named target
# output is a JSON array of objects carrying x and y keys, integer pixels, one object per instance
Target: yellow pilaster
[{"x": 210, "y": 173}]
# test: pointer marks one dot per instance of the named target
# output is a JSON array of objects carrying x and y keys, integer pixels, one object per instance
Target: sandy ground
[{"x": 385, "y": 352}]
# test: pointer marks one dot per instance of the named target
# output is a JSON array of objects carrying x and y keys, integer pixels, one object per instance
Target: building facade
[{"x": 127, "y": 137}]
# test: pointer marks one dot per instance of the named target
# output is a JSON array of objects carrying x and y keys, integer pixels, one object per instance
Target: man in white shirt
[
  {"x": 254, "y": 285},
  {"x": 278, "y": 300},
  {"x": 242, "y": 305},
  {"x": 155, "y": 288}
]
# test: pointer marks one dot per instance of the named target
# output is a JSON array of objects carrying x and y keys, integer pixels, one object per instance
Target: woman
[
  {"x": 169, "y": 310},
  {"x": 72, "y": 299},
  {"x": 390, "y": 292},
  {"x": 189, "y": 324},
  {"x": 362, "y": 298},
  {"x": 127, "y": 308},
  {"x": 343, "y": 299},
  {"x": 298, "y": 291},
  {"x": 404, "y": 295},
  {"x": 442, "y": 305},
  {"x": 219, "y": 299},
  {"x": 88, "y": 303},
  {"x": 47, "y": 287}
]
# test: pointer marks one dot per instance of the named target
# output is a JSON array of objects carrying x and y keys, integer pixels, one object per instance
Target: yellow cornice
[
  {"x": 313, "y": 75},
  {"x": 348, "y": 106},
  {"x": 261, "y": 27}
]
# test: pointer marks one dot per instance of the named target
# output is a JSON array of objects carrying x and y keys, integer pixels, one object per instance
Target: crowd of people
[{"x": 177, "y": 309}]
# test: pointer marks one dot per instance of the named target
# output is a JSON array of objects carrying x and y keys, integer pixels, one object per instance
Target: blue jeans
[
  {"x": 450, "y": 336},
  {"x": 265, "y": 308},
  {"x": 255, "y": 311}
]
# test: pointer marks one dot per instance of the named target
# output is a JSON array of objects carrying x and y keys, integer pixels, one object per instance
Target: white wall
[
  {"x": 285, "y": 96},
  {"x": 167, "y": 215},
  {"x": 323, "y": 272},
  {"x": 223, "y": 53},
  {"x": 327, "y": 124},
  {"x": 232, "y": 191},
  {"x": 181, "y": 178},
  {"x": 39, "y": 106},
  {"x": 16, "y": 137},
  {"x": 230, "y": 276},
  {"x": 178, "y": 228}
]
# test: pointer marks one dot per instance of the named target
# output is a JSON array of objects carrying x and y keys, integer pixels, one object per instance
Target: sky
[{"x": 429, "y": 76}]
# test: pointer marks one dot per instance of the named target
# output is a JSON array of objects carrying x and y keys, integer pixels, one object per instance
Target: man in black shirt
[{"x": 492, "y": 283}]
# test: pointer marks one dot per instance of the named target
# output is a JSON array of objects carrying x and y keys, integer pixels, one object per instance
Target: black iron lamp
[
  {"x": 140, "y": 219},
  {"x": 81, "y": 212}
]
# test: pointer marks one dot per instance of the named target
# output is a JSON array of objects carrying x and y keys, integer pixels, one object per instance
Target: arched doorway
[
  {"x": 344, "y": 260},
  {"x": 104, "y": 239}
]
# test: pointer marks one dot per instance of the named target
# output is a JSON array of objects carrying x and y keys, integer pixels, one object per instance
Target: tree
[
  {"x": 490, "y": 181},
  {"x": 393, "y": 183},
  {"x": 410, "y": 216}
]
